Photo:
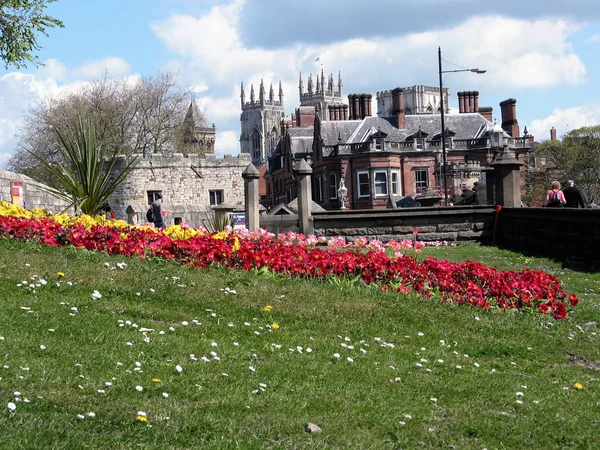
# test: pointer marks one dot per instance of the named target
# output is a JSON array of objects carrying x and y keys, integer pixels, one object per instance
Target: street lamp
[
  {"x": 342, "y": 192},
  {"x": 477, "y": 71}
]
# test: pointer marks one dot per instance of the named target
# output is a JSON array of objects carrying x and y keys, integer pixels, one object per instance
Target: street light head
[{"x": 478, "y": 71}]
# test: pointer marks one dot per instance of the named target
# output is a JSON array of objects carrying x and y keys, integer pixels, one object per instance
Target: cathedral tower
[
  {"x": 325, "y": 95},
  {"x": 260, "y": 122}
]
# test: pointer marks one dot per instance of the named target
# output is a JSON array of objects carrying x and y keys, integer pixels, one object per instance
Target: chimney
[
  {"x": 475, "y": 101},
  {"x": 461, "y": 102},
  {"x": 486, "y": 111},
  {"x": 398, "y": 108},
  {"x": 344, "y": 112},
  {"x": 368, "y": 101},
  {"x": 553, "y": 134},
  {"x": 305, "y": 116},
  {"x": 510, "y": 124}
]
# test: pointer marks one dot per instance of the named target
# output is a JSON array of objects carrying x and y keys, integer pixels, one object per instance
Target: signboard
[
  {"x": 238, "y": 219},
  {"x": 16, "y": 192}
]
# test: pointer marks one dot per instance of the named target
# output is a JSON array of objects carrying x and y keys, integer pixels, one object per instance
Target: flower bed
[{"x": 297, "y": 255}]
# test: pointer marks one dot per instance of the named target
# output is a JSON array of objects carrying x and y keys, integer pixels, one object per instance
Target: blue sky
[{"x": 542, "y": 53}]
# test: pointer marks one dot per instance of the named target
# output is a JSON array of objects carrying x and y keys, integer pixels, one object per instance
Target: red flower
[{"x": 573, "y": 300}]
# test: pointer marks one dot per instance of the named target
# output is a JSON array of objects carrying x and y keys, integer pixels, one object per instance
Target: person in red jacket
[{"x": 555, "y": 197}]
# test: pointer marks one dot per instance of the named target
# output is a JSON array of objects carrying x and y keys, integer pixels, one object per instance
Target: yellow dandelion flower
[
  {"x": 578, "y": 386},
  {"x": 60, "y": 274},
  {"x": 275, "y": 326},
  {"x": 156, "y": 380},
  {"x": 268, "y": 308},
  {"x": 142, "y": 418}
]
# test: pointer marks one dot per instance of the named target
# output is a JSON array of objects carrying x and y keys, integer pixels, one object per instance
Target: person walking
[
  {"x": 573, "y": 196},
  {"x": 159, "y": 212},
  {"x": 555, "y": 197}
]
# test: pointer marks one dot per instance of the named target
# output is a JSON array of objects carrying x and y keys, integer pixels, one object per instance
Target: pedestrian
[
  {"x": 107, "y": 209},
  {"x": 555, "y": 197},
  {"x": 159, "y": 212},
  {"x": 573, "y": 196}
]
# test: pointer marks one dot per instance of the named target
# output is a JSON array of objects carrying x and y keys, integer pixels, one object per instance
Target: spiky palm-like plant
[{"x": 84, "y": 178}]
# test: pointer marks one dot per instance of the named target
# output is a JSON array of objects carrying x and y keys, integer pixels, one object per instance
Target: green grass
[{"x": 380, "y": 400}]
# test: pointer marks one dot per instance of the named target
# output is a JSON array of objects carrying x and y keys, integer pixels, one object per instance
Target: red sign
[{"x": 16, "y": 191}]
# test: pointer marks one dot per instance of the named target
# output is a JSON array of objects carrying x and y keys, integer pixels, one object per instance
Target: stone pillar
[
  {"x": 508, "y": 188},
  {"x": 302, "y": 173},
  {"x": 251, "y": 196}
]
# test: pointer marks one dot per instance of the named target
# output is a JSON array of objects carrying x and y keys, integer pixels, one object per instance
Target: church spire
[
  {"x": 252, "y": 94},
  {"x": 301, "y": 86},
  {"x": 322, "y": 81},
  {"x": 310, "y": 84},
  {"x": 340, "y": 83},
  {"x": 271, "y": 94},
  {"x": 261, "y": 95},
  {"x": 243, "y": 95},
  {"x": 280, "y": 93}
]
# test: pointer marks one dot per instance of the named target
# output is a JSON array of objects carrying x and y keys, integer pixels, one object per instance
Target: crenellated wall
[{"x": 185, "y": 182}]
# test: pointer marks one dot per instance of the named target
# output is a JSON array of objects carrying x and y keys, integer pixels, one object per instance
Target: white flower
[
  {"x": 459, "y": 367},
  {"x": 11, "y": 406},
  {"x": 101, "y": 391},
  {"x": 519, "y": 394},
  {"x": 336, "y": 355},
  {"x": 476, "y": 364},
  {"x": 138, "y": 364},
  {"x": 185, "y": 323},
  {"x": 178, "y": 368},
  {"x": 91, "y": 414},
  {"x": 165, "y": 395},
  {"x": 441, "y": 361},
  {"x": 433, "y": 399},
  {"x": 214, "y": 344},
  {"x": 419, "y": 365},
  {"x": 141, "y": 413},
  {"x": 16, "y": 394},
  {"x": 350, "y": 360},
  {"x": 96, "y": 295},
  {"x": 139, "y": 388},
  {"x": 252, "y": 369},
  {"x": 80, "y": 416},
  {"x": 420, "y": 334}
]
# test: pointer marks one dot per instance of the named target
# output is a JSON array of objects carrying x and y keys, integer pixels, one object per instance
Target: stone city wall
[
  {"x": 185, "y": 182},
  {"x": 33, "y": 194}
]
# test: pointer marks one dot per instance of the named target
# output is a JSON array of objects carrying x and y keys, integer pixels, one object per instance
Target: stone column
[
  {"x": 508, "y": 188},
  {"x": 302, "y": 173},
  {"x": 251, "y": 197}
]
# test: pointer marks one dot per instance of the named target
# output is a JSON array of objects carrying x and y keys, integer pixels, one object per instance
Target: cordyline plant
[{"x": 84, "y": 178}]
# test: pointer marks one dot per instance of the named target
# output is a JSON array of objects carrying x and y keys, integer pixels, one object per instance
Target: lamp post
[
  {"x": 342, "y": 192},
  {"x": 476, "y": 70}
]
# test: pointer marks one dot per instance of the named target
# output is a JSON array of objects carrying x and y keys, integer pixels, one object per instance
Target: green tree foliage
[
  {"x": 576, "y": 157},
  {"x": 83, "y": 177},
  {"x": 21, "y": 21}
]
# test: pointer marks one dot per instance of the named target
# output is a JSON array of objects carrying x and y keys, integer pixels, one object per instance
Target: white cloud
[
  {"x": 593, "y": 39},
  {"x": 227, "y": 142},
  {"x": 565, "y": 120},
  {"x": 112, "y": 66}
]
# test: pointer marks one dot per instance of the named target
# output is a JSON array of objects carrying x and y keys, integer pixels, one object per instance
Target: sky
[{"x": 543, "y": 53}]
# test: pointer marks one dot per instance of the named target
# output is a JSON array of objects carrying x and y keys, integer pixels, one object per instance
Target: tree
[
  {"x": 576, "y": 157},
  {"x": 20, "y": 23},
  {"x": 83, "y": 177},
  {"x": 139, "y": 115}
]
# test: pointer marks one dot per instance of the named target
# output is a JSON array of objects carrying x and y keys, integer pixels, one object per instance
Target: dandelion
[
  {"x": 156, "y": 380},
  {"x": 268, "y": 308},
  {"x": 60, "y": 274},
  {"x": 275, "y": 326},
  {"x": 578, "y": 386},
  {"x": 142, "y": 419}
]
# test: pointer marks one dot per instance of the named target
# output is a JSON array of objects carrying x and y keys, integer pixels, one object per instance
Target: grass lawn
[{"x": 196, "y": 352}]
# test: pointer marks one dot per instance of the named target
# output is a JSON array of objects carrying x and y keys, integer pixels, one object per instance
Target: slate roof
[{"x": 195, "y": 116}]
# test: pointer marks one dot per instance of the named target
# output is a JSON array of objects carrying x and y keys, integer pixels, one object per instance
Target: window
[
  {"x": 289, "y": 192},
  {"x": 177, "y": 220},
  {"x": 378, "y": 145},
  {"x": 216, "y": 197},
  {"x": 319, "y": 190},
  {"x": 256, "y": 146},
  {"x": 420, "y": 144},
  {"x": 448, "y": 144},
  {"x": 395, "y": 186},
  {"x": 421, "y": 179},
  {"x": 332, "y": 186},
  {"x": 153, "y": 195},
  {"x": 381, "y": 184},
  {"x": 364, "y": 186}
]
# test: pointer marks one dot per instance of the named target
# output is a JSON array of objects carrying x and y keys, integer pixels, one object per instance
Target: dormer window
[{"x": 420, "y": 144}]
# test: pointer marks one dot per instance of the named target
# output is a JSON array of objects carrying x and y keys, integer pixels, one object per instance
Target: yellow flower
[
  {"x": 275, "y": 326},
  {"x": 156, "y": 380},
  {"x": 268, "y": 308},
  {"x": 578, "y": 386},
  {"x": 60, "y": 274},
  {"x": 142, "y": 418}
]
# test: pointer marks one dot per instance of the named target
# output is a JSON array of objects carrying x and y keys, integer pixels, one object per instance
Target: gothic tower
[
  {"x": 260, "y": 122},
  {"x": 324, "y": 96},
  {"x": 198, "y": 136}
]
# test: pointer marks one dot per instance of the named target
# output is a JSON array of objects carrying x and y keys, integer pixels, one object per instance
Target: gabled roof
[{"x": 194, "y": 117}]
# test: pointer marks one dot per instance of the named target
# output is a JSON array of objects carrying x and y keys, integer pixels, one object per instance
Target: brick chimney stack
[
  {"x": 305, "y": 116},
  {"x": 398, "y": 107},
  {"x": 510, "y": 124},
  {"x": 553, "y": 134},
  {"x": 486, "y": 111}
]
